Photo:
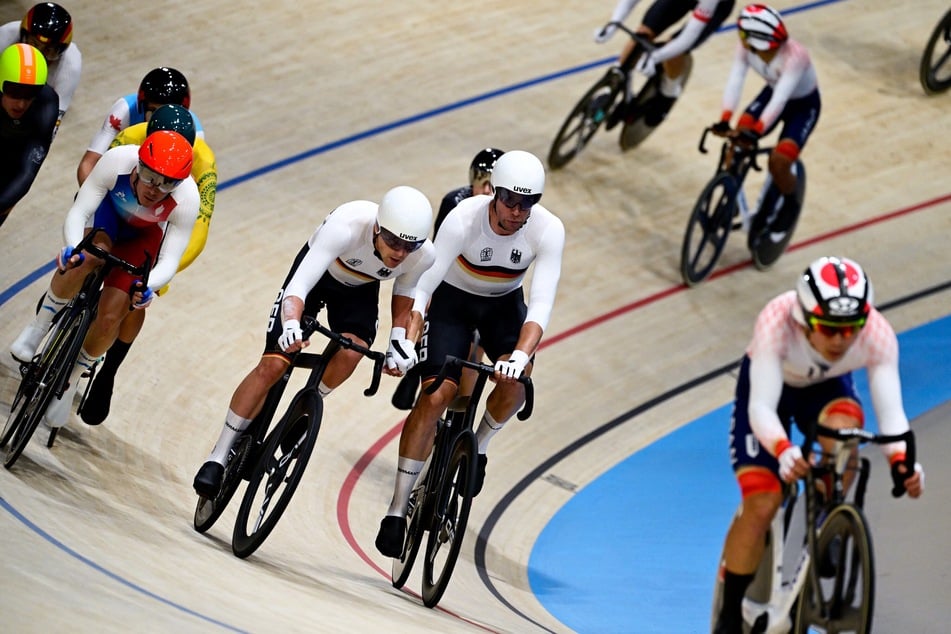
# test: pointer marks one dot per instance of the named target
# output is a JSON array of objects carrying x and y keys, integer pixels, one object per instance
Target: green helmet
[{"x": 175, "y": 118}]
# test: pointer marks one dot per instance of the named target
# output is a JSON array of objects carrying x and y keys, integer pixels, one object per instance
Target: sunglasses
[
  {"x": 510, "y": 199},
  {"x": 397, "y": 243},
  {"x": 831, "y": 328},
  {"x": 154, "y": 179}
]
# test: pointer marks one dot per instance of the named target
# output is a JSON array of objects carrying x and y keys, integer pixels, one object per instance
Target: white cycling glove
[
  {"x": 292, "y": 334},
  {"x": 646, "y": 65},
  {"x": 401, "y": 355},
  {"x": 514, "y": 366},
  {"x": 787, "y": 461},
  {"x": 604, "y": 33}
]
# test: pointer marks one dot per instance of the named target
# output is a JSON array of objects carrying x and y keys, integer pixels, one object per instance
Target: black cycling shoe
[
  {"x": 656, "y": 109},
  {"x": 404, "y": 396},
  {"x": 480, "y": 474},
  {"x": 392, "y": 535},
  {"x": 96, "y": 406},
  {"x": 208, "y": 479}
]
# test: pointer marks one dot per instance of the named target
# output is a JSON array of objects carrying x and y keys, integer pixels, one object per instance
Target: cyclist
[
  {"x": 480, "y": 172},
  {"x": 27, "y": 122},
  {"x": 145, "y": 200},
  {"x": 484, "y": 249},
  {"x": 159, "y": 87},
  {"x": 205, "y": 173},
  {"x": 791, "y": 95},
  {"x": 340, "y": 267},
  {"x": 806, "y": 344},
  {"x": 48, "y": 27},
  {"x": 706, "y": 16}
]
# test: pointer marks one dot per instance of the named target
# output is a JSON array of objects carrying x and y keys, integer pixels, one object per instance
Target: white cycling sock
[
  {"x": 324, "y": 390},
  {"x": 488, "y": 427},
  {"x": 407, "y": 472},
  {"x": 234, "y": 425},
  {"x": 671, "y": 87},
  {"x": 50, "y": 305}
]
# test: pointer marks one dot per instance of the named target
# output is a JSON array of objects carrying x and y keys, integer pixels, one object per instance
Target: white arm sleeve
[
  {"x": 546, "y": 275},
  {"x": 178, "y": 231},
  {"x": 622, "y": 10},
  {"x": 450, "y": 241},
  {"x": 734, "y": 84},
  {"x": 766, "y": 386},
  {"x": 683, "y": 42},
  {"x": 101, "y": 179},
  {"x": 331, "y": 239},
  {"x": 117, "y": 119}
]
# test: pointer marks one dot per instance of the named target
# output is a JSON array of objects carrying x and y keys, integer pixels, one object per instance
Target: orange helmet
[{"x": 168, "y": 154}]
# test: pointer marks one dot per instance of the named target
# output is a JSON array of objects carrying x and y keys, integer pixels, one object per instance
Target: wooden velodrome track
[{"x": 308, "y": 106}]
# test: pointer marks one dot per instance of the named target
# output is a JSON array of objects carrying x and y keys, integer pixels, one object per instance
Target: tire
[
  {"x": 710, "y": 224},
  {"x": 280, "y": 467},
  {"x": 450, "y": 517},
  {"x": 847, "y": 594},
  {"x": 44, "y": 378},
  {"x": 585, "y": 119},
  {"x": 764, "y": 247},
  {"x": 208, "y": 510},
  {"x": 634, "y": 132},
  {"x": 416, "y": 524},
  {"x": 935, "y": 68}
]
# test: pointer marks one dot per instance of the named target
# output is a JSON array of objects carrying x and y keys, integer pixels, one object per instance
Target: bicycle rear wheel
[
  {"x": 585, "y": 118},
  {"x": 450, "y": 516},
  {"x": 935, "y": 68},
  {"x": 845, "y": 596},
  {"x": 208, "y": 510},
  {"x": 279, "y": 469},
  {"x": 44, "y": 378},
  {"x": 710, "y": 224}
]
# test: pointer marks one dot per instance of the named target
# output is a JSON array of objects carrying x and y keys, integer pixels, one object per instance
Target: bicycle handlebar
[
  {"x": 143, "y": 271},
  {"x": 488, "y": 370},
  {"x": 634, "y": 35},
  {"x": 309, "y": 325},
  {"x": 750, "y": 149},
  {"x": 862, "y": 436}
]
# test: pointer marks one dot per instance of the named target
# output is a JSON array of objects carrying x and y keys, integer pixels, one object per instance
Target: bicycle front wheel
[
  {"x": 450, "y": 517},
  {"x": 43, "y": 379},
  {"x": 279, "y": 470},
  {"x": 585, "y": 119},
  {"x": 770, "y": 233},
  {"x": 935, "y": 68},
  {"x": 710, "y": 224},
  {"x": 416, "y": 523},
  {"x": 844, "y": 599}
]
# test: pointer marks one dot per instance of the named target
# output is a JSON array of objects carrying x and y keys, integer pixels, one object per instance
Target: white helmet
[
  {"x": 406, "y": 213},
  {"x": 519, "y": 172},
  {"x": 761, "y": 27},
  {"x": 834, "y": 290}
]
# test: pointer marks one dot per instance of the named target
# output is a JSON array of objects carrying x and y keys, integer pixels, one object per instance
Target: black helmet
[
  {"x": 175, "y": 118},
  {"x": 481, "y": 167},
  {"x": 163, "y": 86},
  {"x": 50, "y": 24}
]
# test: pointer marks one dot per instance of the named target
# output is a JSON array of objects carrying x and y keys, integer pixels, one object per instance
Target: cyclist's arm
[
  {"x": 795, "y": 66},
  {"x": 205, "y": 173},
  {"x": 101, "y": 179},
  {"x": 766, "y": 386},
  {"x": 117, "y": 119},
  {"x": 67, "y": 79},
  {"x": 734, "y": 83},
  {"x": 449, "y": 244},
  {"x": 685, "y": 38},
  {"x": 177, "y": 230},
  {"x": 41, "y": 117},
  {"x": 545, "y": 277},
  {"x": 623, "y": 9},
  {"x": 329, "y": 241}
]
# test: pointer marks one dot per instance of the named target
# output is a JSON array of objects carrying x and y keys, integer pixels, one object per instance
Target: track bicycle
[
  {"x": 817, "y": 572},
  {"x": 934, "y": 70},
  {"x": 613, "y": 99},
  {"x": 442, "y": 498},
  {"x": 273, "y": 462},
  {"x": 722, "y": 208},
  {"x": 46, "y": 376}
]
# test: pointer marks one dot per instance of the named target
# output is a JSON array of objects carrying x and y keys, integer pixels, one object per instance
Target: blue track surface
[{"x": 636, "y": 550}]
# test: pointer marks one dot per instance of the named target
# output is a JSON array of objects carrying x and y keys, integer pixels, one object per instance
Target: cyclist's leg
[{"x": 352, "y": 311}]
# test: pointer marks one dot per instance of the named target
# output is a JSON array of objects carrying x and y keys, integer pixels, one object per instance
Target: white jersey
[
  {"x": 62, "y": 75},
  {"x": 791, "y": 75},
  {"x": 110, "y": 178},
  {"x": 474, "y": 258},
  {"x": 343, "y": 247},
  {"x": 779, "y": 353}
]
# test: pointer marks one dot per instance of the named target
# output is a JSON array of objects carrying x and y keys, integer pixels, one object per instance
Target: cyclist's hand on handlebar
[
  {"x": 792, "y": 465},
  {"x": 914, "y": 484},
  {"x": 646, "y": 65},
  {"x": 142, "y": 295},
  {"x": 512, "y": 367},
  {"x": 292, "y": 338},
  {"x": 604, "y": 33},
  {"x": 748, "y": 137},
  {"x": 721, "y": 128},
  {"x": 69, "y": 258},
  {"x": 401, "y": 355}
]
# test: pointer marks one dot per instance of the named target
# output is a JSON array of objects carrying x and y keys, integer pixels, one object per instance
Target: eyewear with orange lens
[{"x": 832, "y": 328}]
